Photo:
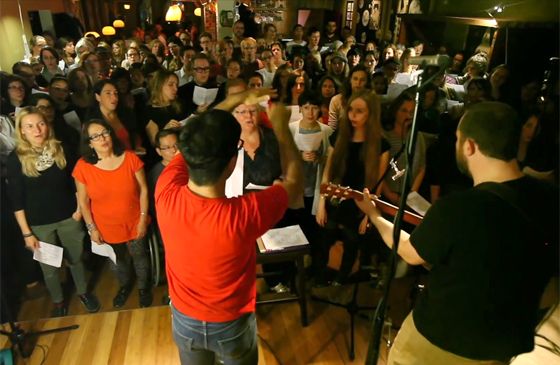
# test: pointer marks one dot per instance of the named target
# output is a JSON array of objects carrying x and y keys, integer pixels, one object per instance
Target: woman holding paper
[
  {"x": 165, "y": 110},
  {"x": 44, "y": 203},
  {"x": 113, "y": 197}
]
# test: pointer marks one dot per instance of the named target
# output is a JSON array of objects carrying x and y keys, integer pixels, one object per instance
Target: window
[{"x": 349, "y": 13}]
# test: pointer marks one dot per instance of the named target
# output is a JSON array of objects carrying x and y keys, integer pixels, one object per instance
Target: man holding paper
[
  {"x": 201, "y": 91},
  {"x": 210, "y": 239}
]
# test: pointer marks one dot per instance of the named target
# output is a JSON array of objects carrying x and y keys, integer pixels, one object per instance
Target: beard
[{"x": 462, "y": 163}]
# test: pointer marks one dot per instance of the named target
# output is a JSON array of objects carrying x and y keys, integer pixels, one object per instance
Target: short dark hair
[
  {"x": 185, "y": 49},
  {"x": 310, "y": 97},
  {"x": 48, "y": 49},
  {"x": 57, "y": 78},
  {"x": 88, "y": 154},
  {"x": 208, "y": 142},
  {"x": 495, "y": 127},
  {"x": 99, "y": 85},
  {"x": 256, "y": 74},
  {"x": 162, "y": 133},
  {"x": 34, "y": 99}
]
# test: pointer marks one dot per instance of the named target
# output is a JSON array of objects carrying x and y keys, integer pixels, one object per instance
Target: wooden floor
[{"x": 143, "y": 336}]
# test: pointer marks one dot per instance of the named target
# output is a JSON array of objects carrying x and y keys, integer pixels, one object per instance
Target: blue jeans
[{"x": 228, "y": 343}]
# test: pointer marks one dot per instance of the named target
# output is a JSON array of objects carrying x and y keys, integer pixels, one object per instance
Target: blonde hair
[
  {"x": 156, "y": 85},
  {"x": 24, "y": 150}
]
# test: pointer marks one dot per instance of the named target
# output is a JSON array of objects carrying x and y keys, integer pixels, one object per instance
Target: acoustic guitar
[{"x": 340, "y": 192}]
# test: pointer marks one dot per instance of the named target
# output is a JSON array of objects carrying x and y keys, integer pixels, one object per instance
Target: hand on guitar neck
[{"x": 369, "y": 204}]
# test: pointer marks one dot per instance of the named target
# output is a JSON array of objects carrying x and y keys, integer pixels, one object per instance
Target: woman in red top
[{"x": 113, "y": 198}]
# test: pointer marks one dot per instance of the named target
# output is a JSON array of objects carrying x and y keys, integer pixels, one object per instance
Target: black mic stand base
[{"x": 25, "y": 341}]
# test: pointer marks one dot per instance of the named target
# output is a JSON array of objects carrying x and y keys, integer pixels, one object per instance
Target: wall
[
  {"x": 11, "y": 47},
  {"x": 527, "y": 11}
]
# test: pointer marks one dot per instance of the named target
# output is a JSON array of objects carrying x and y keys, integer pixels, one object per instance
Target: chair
[{"x": 156, "y": 253}]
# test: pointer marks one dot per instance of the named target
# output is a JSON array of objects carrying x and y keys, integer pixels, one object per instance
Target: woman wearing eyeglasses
[
  {"x": 113, "y": 197},
  {"x": 42, "y": 193},
  {"x": 14, "y": 94}
]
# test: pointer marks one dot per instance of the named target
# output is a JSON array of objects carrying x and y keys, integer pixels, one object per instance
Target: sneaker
[
  {"x": 280, "y": 288},
  {"x": 90, "y": 302},
  {"x": 145, "y": 297},
  {"x": 59, "y": 310},
  {"x": 122, "y": 296}
]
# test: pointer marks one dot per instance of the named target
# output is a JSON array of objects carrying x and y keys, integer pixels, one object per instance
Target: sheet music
[
  {"x": 104, "y": 250},
  {"x": 251, "y": 186},
  {"x": 202, "y": 95},
  {"x": 73, "y": 120},
  {"x": 282, "y": 238},
  {"x": 48, "y": 254},
  {"x": 308, "y": 142},
  {"x": 418, "y": 203},
  {"x": 234, "y": 184}
]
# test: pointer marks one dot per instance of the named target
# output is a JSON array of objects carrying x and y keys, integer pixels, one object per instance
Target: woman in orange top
[{"x": 113, "y": 198}]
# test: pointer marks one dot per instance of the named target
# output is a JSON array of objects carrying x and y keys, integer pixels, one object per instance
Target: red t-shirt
[
  {"x": 114, "y": 197},
  {"x": 210, "y": 244}
]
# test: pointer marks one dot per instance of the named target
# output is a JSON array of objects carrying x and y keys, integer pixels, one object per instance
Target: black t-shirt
[
  {"x": 347, "y": 213},
  {"x": 162, "y": 115},
  {"x": 489, "y": 268},
  {"x": 46, "y": 199}
]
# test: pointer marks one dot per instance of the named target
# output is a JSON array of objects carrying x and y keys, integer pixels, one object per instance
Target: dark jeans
[{"x": 228, "y": 343}]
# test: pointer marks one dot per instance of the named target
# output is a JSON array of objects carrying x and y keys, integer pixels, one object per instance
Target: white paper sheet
[
  {"x": 37, "y": 91},
  {"x": 73, "y": 120},
  {"x": 251, "y": 186},
  {"x": 308, "y": 142},
  {"x": 418, "y": 203},
  {"x": 202, "y": 95},
  {"x": 403, "y": 78},
  {"x": 234, "y": 184},
  {"x": 281, "y": 238},
  {"x": 48, "y": 254},
  {"x": 104, "y": 250}
]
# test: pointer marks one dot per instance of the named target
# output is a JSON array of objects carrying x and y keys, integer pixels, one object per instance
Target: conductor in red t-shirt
[{"x": 210, "y": 239}]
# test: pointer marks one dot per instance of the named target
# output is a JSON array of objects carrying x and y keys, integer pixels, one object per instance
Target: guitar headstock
[{"x": 337, "y": 191}]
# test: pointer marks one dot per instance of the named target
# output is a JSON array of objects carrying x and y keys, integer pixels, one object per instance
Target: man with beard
[{"x": 491, "y": 250}]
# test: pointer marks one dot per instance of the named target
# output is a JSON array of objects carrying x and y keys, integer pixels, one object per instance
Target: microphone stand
[
  {"x": 23, "y": 341},
  {"x": 379, "y": 317}
]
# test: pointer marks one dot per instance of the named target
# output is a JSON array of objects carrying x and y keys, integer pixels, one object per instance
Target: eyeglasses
[
  {"x": 96, "y": 137},
  {"x": 167, "y": 148},
  {"x": 202, "y": 69},
  {"x": 44, "y": 108},
  {"x": 250, "y": 112}
]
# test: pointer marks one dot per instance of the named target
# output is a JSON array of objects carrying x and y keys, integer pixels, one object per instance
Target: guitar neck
[{"x": 388, "y": 208}]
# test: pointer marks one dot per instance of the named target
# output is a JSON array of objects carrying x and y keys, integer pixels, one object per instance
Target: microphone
[{"x": 438, "y": 60}]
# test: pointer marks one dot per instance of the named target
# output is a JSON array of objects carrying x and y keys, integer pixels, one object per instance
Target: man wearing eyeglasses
[
  {"x": 201, "y": 78},
  {"x": 210, "y": 239}
]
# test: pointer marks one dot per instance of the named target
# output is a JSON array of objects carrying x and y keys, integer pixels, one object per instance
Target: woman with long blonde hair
[
  {"x": 358, "y": 159},
  {"x": 44, "y": 202}
]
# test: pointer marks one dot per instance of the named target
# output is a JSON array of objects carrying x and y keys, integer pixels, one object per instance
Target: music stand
[{"x": 24, "y": 341}]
